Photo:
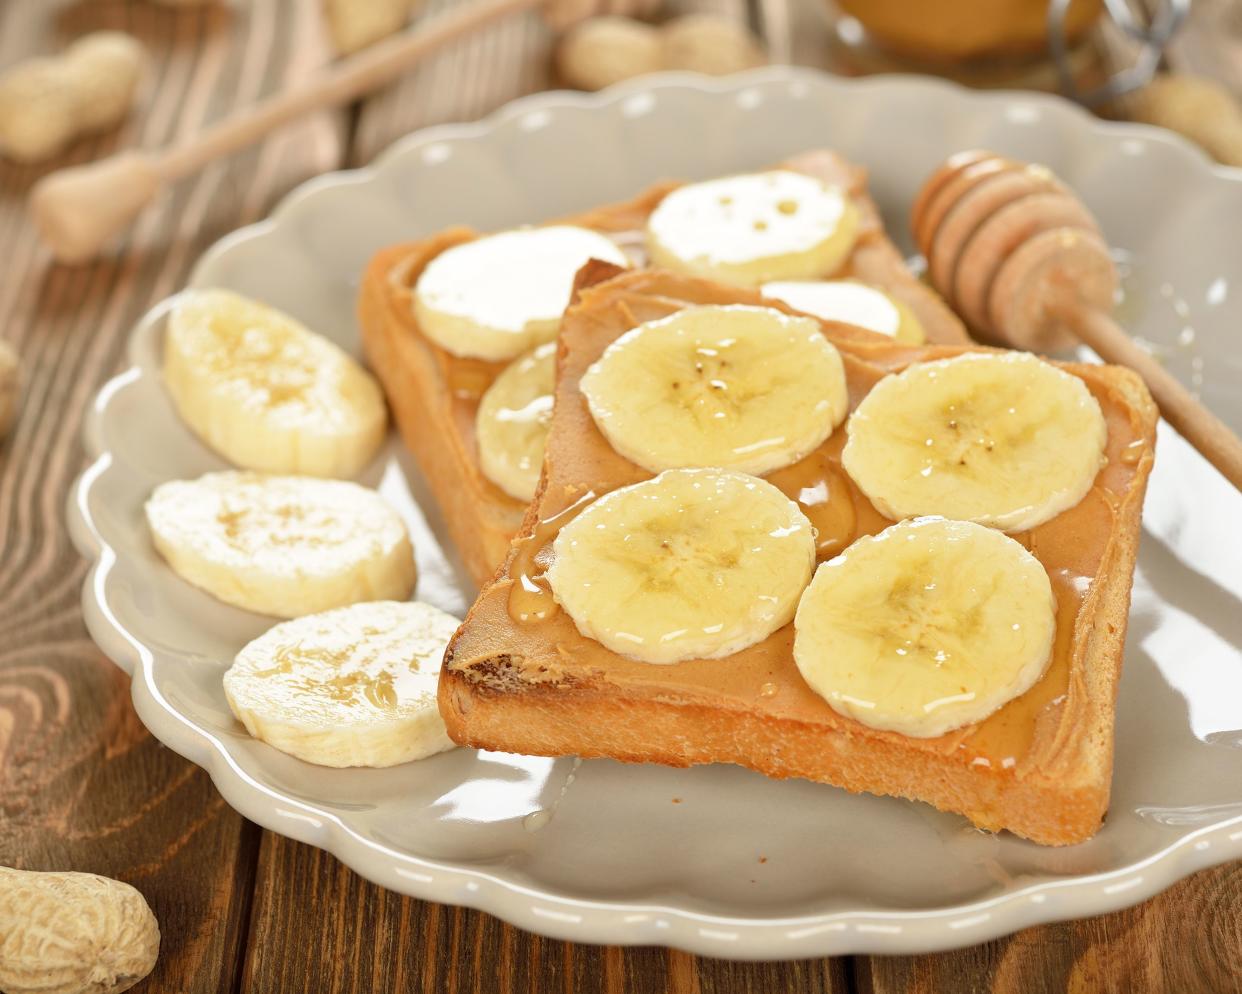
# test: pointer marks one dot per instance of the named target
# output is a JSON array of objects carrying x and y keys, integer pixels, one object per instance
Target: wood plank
[
  {"x": 317, "y": 925},
  {"x": 82, "y": 785},
  {"x": 1187, "y": 940},
  {"x": 363, "y": 937},
  {"x": 462, "y": 83}
]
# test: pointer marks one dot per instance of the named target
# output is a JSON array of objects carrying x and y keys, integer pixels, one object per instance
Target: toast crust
[
  {"x": 434, "y": 395},
  {"x": 1040, "y": 766}
]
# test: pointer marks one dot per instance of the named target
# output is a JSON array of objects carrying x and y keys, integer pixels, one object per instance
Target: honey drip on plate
[
  {"x": 530, "y": 596},
  {"x": 822, "y": 492}
]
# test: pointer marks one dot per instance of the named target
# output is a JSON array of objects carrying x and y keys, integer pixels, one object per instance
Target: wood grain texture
[
  {"x": 310, "y": 912},
  {"x": 471, "y": 79},
  {"x": 82, "y": 784},
  {"x": 1186, "y": 940},
  {"x": 465, "y": 81}
]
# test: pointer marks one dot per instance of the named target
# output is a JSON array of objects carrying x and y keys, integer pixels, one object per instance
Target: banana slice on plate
[
  {"x": 266, "y": 392},
  {"x": 282, "y": 545},
  {"x": 744, "y": 388},
  {"x": 1005, "y": 440},
  {"x": 350, "y": 687},
  {"x": 512, "y": 422},
  {"x": 929, "y": 625},
  {"x": 750, "y": 229},
  {"x": 693, "y": 564},
  {"x": 501, "y": 295},
  {"x": 852, "y": 302}
]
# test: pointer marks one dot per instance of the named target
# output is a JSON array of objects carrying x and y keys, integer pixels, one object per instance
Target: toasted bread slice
[
  {"x": 435, "y": 395},
  {"x": 1040, "y": 766}
]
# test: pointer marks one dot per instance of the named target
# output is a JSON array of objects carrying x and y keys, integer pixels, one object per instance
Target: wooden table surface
[{"x": 82, "y": 784}]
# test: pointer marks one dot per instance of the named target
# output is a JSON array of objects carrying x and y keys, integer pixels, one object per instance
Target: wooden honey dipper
[
  {"x": 77, "y": 210},
  {"x": 1017, "y": 255}
]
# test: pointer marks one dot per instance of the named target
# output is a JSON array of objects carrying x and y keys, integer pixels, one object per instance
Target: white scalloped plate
[{"x": 716, "y": 859}]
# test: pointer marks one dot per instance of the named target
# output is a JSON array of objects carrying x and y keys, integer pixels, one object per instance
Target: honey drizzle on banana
[
  {"x": 530, "y": 596},
  {"x": 817, "y": 484}
]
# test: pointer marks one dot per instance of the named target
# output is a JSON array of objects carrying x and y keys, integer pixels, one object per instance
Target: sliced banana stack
[
  {"x": 744, "y": 388},
  {"x": 282, "y": 545},
  {"x": 695, "y": 563},
  {"x": 511, "y": 425},
  {"x": 1006, "y": 440},
  {"x": 925, "y": 627},
  {"x": 351, "y": 687},
  {"x": 750, "y": 229},
  {"x": 852, "y": 302},
  {"x": 267, "y": 393},
  {"x": 501, "y": 295}
]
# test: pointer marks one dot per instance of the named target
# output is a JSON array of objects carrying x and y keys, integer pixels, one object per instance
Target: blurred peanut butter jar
[{"x": 1001, "y": 42}]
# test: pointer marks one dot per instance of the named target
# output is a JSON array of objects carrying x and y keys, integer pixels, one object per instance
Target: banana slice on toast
[
  {"x": 1006, "y": 440},
  {"x": 350, "y": 687},
  {"x": 694, "y": 563},
  {"x": 501, "y": 295},
  {"x": 744, "y": 388},
  {"x": 850, "y": 301},
  {"x": 751, "y": 229},
  {"x": 282, "y": 545},
  {"x": 511, "y": 425},
  {"x": 929, "y": 625}
]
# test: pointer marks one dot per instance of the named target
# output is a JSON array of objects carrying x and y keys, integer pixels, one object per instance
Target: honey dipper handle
[
  {"x": 77, "y": 210},
  {"x": 1199, "y": 426}
]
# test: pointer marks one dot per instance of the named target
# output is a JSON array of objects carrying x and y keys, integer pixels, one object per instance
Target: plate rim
[{"x": 557, "y": 915}]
